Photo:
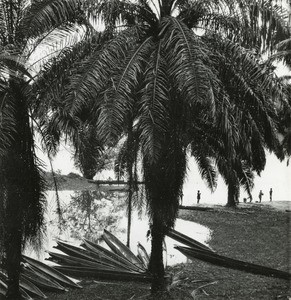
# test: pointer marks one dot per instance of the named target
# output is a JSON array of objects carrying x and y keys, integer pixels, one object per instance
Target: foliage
[
  {"x": 24, "y": 25},
  {"x": 89, "y": 212},
  {"x": 171, "y": 70}
]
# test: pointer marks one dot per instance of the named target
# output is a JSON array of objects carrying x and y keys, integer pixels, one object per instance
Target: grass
[{"x": 254, "y": 234}]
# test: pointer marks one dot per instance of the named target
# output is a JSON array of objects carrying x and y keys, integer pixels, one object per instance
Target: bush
[{"x": 73, "y": 175}]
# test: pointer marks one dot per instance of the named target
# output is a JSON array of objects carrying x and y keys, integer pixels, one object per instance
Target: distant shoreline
[{"x": 278, "y": 205}]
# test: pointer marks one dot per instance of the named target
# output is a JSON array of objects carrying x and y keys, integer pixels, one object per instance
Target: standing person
[
  {"x": 198, "y": 196},
  {"x": 181, "y": 198},
  {"x": 260, "y": 195},
  {"x": 271, "y": 194}
]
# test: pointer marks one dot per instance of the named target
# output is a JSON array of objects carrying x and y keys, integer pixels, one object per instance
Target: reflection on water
[{"x": 87, "y": 213}]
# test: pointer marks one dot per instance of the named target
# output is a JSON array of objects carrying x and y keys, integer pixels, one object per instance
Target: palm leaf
[
  {"x": 153, "y": 106},
  {"x": 206, "y": 169},
  {"x": 41, "y": 16},
  {"x": 185, "y": 56}
]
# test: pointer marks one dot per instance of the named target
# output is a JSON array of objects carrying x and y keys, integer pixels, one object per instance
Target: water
[{"x": 87, "y": 213}]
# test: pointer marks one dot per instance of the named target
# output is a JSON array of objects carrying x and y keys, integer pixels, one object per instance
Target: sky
[{"x": 277, "y": 175}]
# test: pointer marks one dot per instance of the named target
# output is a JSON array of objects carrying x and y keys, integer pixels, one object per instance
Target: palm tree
[
  {"x": 126, "y": 165},
  {"x": 283, "y": 52},
  {"x": 162, "y": 63},
  {"x": 252, "y": 125},
  {"x": 23, "y": 26},
  {"x": 89, "y": 150}
]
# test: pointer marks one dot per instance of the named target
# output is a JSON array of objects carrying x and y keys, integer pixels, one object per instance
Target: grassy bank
[{"x": 254, "y": 234}]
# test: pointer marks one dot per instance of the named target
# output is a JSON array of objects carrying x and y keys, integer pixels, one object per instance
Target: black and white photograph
[{"x": 145, "y": 149}]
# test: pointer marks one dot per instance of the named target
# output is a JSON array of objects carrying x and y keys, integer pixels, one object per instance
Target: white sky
[{"x": 276, "y": 175}]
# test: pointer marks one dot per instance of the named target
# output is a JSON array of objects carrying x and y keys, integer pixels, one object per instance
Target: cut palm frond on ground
[
  {"x": 41, "y": 282},
  {"x": 222, "y": 261},
  {"x": 196, "y": 208},
  {"x": 143, "y": 255},
  {"x": 50, "y": 272},
  {"x": 25, "y": 285},
  {"x": 81, "y": 272},
  {"x": 3, "y": 291},
  {"x": 120, "y": 249},
  {"x": 186, "y": 240},
  {"x": 107, "y": 256},
  {"x": 93, "y": 260}
]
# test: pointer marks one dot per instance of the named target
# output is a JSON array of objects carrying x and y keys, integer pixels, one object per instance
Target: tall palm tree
[
  {"x": 126, "y": 165},
  {"x": 251, "y": 121},
  {"x": 162, "y": 63},
  {"x": 23, "y": 26},
  {"x": 283, "y": 53}
]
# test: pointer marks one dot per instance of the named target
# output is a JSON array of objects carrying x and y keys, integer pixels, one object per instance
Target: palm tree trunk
[
  {"x": 22, "y": 212},
  {"x": 156, "y": 266},
  {"x": 130, "y": 160},
  {"x": 164, "y": 180},
  {"x": 129, "y": 211},
  {"x": 13, "y": 256},
  {"x": 11, "y": 215},
  {"x": 13, "y": 222},
  {"x": 231, "y": 198}
]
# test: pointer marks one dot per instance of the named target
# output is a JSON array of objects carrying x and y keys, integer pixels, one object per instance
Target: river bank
[{"x": 253, "y": 233}]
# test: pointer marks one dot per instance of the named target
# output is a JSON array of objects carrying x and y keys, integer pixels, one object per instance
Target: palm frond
[
  {"x": 12, "y": 65},
  {"x": 246, "y": 177},
  {"x": 50, "y": 82},
  {"x": 93, "y": 75},
  {"x": 185, "y": 56},
  {"x": 287, "y": 142},
  {"x": 7, "y": 122},
  {"x": 206, "y": 169},
  {"x": 24, "y": 189},
  {"x": 41, "y": 16},
  {"x": 164, "y": 181},
  {"x": 120, "y": 94},
  {"x": 154, "y": 106}
]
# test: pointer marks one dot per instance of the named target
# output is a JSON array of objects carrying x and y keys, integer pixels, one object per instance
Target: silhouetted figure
[
  {"x": 271, "y": 194},
  {"x": 181, "y": 198},
  {"x": 260, "y": 195},
  {"x": 198, "y": 196}
]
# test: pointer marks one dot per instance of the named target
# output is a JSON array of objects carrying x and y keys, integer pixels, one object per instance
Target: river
[{"x": 86, "y": 213}]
